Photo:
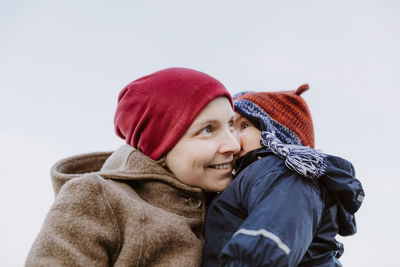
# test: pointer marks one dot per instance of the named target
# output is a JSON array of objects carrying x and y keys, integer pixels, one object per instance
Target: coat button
[{"x": 194, "y": 203}]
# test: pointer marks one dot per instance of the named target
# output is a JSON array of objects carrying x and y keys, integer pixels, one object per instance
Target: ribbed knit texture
[
  {"x": 287, "y": 108},
  {"x": 154, "y": 111}
]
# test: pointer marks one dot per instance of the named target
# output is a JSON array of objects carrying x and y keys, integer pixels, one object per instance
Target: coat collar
[{"x": 125, "y": 164}]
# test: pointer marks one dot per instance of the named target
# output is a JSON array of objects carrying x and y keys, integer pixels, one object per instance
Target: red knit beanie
[
  {"x": 285, "y": 113},
  {"x": 154, "y": 111}
]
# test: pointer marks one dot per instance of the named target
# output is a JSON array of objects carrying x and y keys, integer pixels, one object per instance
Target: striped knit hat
[{"x": 286, "y": 125}]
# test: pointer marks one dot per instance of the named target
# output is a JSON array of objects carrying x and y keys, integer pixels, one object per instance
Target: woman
[{"x": 144, "y": 205}]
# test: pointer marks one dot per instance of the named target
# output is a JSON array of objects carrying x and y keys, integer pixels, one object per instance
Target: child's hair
[
  {"x": 286, "y": 127},
  {"x": 283, "y": 113}
]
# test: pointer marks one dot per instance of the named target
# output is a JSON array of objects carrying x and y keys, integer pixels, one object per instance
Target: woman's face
[
  {"x": 249, "y": 135},
  {"x": 203, "y": 156}
]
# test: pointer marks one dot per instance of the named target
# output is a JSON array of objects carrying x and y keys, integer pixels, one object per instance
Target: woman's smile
[{"x": 222, "y": 167}]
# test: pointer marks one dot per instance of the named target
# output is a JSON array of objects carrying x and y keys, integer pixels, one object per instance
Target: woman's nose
[{"x": 230, "y": 143}]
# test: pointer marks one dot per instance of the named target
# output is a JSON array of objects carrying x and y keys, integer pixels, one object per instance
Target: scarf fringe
[{"x": 304, "y": 160}]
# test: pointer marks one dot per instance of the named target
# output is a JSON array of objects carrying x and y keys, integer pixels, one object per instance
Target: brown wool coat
[{"x": 120, "y": 210}]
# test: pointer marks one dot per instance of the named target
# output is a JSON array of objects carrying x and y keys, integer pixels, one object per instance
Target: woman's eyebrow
[{"x": 203, "y": 123}]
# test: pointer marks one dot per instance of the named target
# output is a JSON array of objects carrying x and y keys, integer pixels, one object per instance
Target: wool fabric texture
[
  {"x": 285, "y": 113},
  {"x": 120, "y": 209},
  {"x": 154, "y": 111}
]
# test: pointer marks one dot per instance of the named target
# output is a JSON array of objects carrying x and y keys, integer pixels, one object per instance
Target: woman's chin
[{"x": 221, "y": 185}]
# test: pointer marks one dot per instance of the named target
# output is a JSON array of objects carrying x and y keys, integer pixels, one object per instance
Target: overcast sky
[{"x": 63, "y": 63}]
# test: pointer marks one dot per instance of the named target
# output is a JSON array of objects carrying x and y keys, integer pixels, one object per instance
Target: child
[{"x": 287, "y": 201}]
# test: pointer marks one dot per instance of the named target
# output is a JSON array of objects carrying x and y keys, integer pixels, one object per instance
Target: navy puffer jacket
[{"x": 272, "y": 216}]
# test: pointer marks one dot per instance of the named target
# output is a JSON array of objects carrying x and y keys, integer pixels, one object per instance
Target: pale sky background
[{"x": 63, "y": 63}]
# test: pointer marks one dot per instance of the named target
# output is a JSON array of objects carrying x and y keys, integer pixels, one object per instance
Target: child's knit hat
[
  {"x": 286, "y": 127},
  {"x": 154, "y": 111},
  {"x": 285, "y": 113}
]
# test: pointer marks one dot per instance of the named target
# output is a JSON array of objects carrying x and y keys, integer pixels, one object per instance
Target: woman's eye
[
  {"x": 206, "y": 130},
  {"x": 230, "y": 124}
]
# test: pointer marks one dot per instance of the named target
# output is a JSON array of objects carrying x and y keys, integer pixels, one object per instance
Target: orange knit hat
[{"x": 284, "y": 113}]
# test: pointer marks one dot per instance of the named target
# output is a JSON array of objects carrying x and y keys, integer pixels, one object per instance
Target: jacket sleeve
[
  {"x": 284, "y": 210},
  {"x": 325, "y": 250},
  {"x": 79, "y": 229}
]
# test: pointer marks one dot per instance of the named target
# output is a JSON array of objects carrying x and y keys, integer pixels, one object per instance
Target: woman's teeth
[{"x": 221, "y": 166}]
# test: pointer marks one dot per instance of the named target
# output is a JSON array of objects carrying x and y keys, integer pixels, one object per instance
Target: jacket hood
[
  {"x": 338, "y": 179},
  {"x": 125, "y": 164}
]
